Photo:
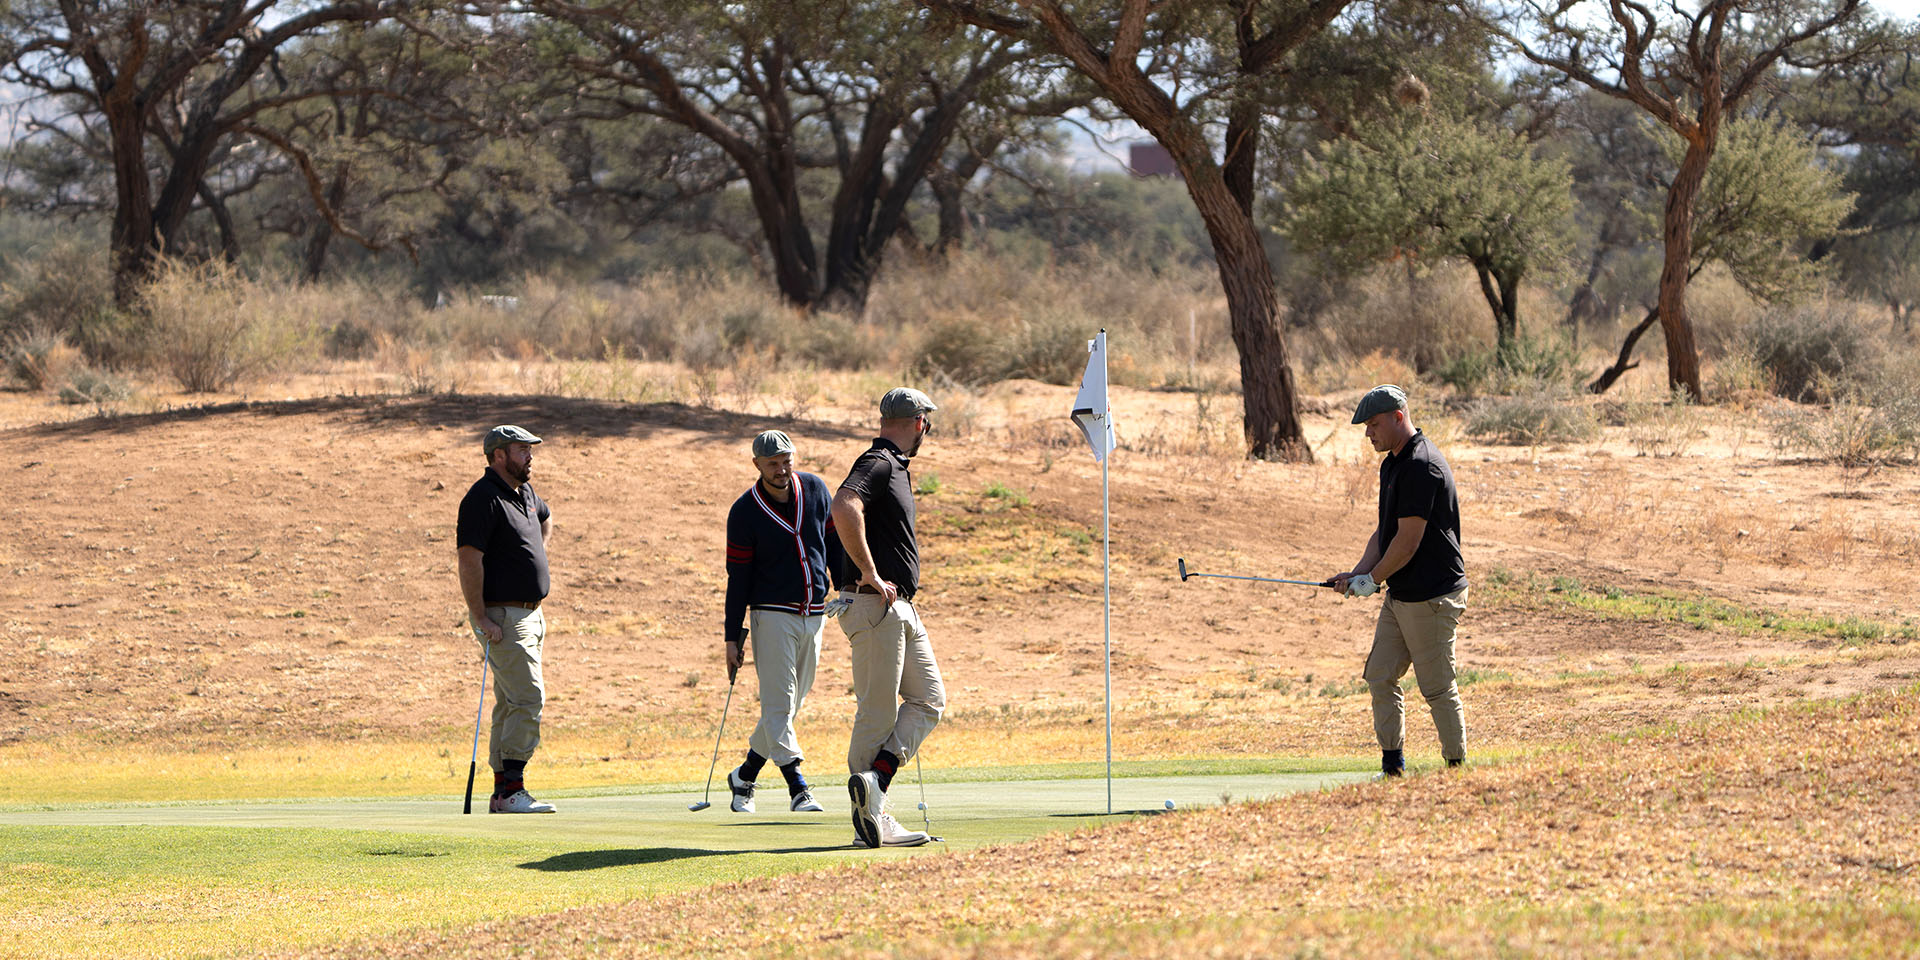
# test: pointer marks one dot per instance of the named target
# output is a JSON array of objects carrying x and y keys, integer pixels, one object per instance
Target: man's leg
[
  {"x": 519, "y": 692},
  {"x": 1386, "y": 664},
  {"x": 1430, "y": 630},
  {"x": 876, "y": 636},
  {"x": 923, "y": 696}
]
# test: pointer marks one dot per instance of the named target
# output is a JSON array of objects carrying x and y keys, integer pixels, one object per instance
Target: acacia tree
[
  {"x": 170, "y": 83},
  {"x": 1174, "y": 69},
  {"x": 1430, "y": 187},
  {"x": 1690, "y": 69},
  {"x": 868, "y": 90}
]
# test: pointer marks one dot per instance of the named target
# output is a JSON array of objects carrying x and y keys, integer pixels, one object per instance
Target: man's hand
[
  {"x": 736, "y": 655},
  {"x": 888, "y": 591},
  {"x": 489, "y": 629}
]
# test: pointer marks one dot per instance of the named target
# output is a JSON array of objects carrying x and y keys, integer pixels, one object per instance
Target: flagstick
[{"x": 1106, "y": 557}]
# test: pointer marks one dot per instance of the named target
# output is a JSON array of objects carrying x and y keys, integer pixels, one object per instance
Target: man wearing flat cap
[
  {"x": 1415, "y": 554},
  {"x": 502, "y": 538},
  {"x": 779, "y": 543},
  {"x": 896, "y": 682}
]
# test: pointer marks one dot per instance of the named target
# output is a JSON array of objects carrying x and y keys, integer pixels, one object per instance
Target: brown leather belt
[{"x": 522, "y": 604}]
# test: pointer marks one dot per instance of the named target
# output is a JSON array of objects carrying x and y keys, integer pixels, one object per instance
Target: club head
[
  {"x": 1183, "y": 569},
  {"x": 697, "y": 807}
]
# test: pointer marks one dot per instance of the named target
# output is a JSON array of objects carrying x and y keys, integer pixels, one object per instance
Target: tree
[
  {"x": 170, "y": 83},
  {"x": 1426, "y": 187},
  {"x": 1172, "y": 68},
  {"x": 866, "y": 89},
  {"x": 1690, "y": 69},
  {"x": 1766, "y": 195}
]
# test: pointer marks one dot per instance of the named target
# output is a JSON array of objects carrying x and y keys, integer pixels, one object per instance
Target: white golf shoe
[
  {"x": 892, "y": 834},
  {"x": 803, "y": 802},
  {"x": 519, "y": 802},
  {"x": 868, "y": 801},
  {"x": 742, "y": 791}
]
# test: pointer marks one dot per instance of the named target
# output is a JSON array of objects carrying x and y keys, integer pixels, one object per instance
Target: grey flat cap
[
  {"x": 901, "y": 403},
  {"x": 1384, "y": 398},
  {"x": 504, "y": 434},
  {"x": 772, "y": 443}
]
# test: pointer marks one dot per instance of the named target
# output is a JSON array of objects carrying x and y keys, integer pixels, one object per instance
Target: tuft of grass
[
  {"x": 1702, "y": 612},
  {"x": 1000, "y": 491}
]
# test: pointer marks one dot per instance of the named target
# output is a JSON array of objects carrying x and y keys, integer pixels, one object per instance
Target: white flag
[{"x": 1090, "y": 410}]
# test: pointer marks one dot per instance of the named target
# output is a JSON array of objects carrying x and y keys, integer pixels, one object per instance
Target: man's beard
[
  {"x": 915, "y": 449},
  {"x": 518, "y": 473}
]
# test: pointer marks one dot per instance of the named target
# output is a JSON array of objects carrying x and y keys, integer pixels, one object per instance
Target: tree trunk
[
  {"x": 1683, "y": 359},
  {"x": 322, "y": 238},
  {"x": 1621, "y": 365},
  {"x": 1500, "y": 300},
  {"x": 1266, "y": 372},
  {"x": 132, "y": 240},
  {"x": 948, "y": 193}
]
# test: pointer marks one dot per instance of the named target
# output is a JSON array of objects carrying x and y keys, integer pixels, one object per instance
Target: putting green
[{"x": 219, "y": 879}]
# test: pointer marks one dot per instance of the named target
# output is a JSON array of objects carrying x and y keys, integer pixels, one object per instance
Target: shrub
[
  {"x": 1803, "y": 347},
  {"x": 210, "y": 328},
  {"x": 69, "y": 291},
  {"x": 1532, "y": 418},
  {"x": 39, "y": 358},
  {"x": 98, "y": 387}
]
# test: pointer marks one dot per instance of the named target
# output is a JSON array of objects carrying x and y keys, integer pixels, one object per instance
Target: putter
[
  {"x": 473, "y": 762},
  {"x": 1184, "y": 574},
  {"x": 925, "y": 822},
  {"x": 704, "y": 803}
]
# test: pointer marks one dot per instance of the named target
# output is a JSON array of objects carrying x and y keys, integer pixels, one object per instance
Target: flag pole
[{"x": 1106, "y": 558}]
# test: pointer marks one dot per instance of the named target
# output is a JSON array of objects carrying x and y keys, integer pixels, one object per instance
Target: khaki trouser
[
  {"x": 892, "y": 663},
  {"x": 1420, "y": 635},
  {"x": 518, "y": 690},
  {"x": 786, "y": 649}
]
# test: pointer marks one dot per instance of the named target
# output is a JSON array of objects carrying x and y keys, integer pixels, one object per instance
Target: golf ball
[
  {"x": 923, "y": 804},
  {"x": 1169, "y": 804}
]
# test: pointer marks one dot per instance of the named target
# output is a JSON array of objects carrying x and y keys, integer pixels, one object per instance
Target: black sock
[
  {"x": 1456, "y": 761},
  {"x": 510, "y": 780},
  {"x": 750, "y": 767},
  {"x": 1393, "y": 762},
  {"x": 885, "y": 764},
  {"x": 796, "y": 784}
]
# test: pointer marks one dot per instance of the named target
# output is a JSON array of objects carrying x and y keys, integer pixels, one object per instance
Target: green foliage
[
  {"x": 1000, "y": 491},
  {"x": 97, "y": 387},
  {"x": 1766, "y": 193},
  {"x": 1528, "y": 362},
  {"x": 1429, "y": 186}
]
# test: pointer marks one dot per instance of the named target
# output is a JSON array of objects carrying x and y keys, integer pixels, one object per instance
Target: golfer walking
[
  {"x": 896, "y": 683},
  {"x": 778, "y": 534},
  {"x": 1415, "y": 553},
  {"x": 502, "y": 537}
]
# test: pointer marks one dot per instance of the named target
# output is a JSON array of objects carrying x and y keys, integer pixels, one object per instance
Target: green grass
[
  {"x": 219, "y": 879},
  {"x": 1530, "y": 591}
]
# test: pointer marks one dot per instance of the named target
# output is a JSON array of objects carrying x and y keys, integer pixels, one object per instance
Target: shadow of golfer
[{"x": 602, "y": 859}]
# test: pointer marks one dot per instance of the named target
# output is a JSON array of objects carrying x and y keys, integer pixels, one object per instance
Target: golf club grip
[{"x": 472, "y": 765}]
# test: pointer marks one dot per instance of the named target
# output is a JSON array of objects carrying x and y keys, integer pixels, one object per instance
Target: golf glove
[
  {"x": 1361, "y": 586},
  {"x": 838, "y": 605}
]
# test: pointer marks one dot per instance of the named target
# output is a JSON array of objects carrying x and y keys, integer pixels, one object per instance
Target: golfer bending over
[
  {"x": 896, "y": 683},
  {"x": 502, "y": 537},
  {"x": 778, "y": 534},
  {"x": 1415, "y": 552}
]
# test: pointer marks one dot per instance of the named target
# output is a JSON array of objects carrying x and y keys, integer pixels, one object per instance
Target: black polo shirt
[
  {"x": 881, "y": 480},
  {"x": 1416, "y": 482},
  {"x": 504, "y": 525}
]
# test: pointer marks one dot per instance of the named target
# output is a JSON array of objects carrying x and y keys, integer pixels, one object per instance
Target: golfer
[
  {"x": 896, "y": 683},
  {"x": 502, "y": 537},
  {"x": 1415, "y": 553},
  {"x": 778, "y": 534}
]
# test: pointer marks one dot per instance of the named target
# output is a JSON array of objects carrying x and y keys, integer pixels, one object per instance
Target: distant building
[{"x": 1150, "y": 160}]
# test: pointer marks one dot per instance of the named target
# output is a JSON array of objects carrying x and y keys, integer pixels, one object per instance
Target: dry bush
[
  {"x": 211, "y": 328},
  {"x": 38, "y": 359},
  {"x": 1721, "y": 312},
  {"x": 67, "y": 290},
  {"x": 97, "y": 387},
  {"x": 1532, "y": 418},
  {"x": 1426, "y": 319},
  {"x": 1816, "y": 351}
]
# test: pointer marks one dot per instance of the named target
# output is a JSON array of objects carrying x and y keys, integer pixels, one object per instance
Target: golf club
[
  {"x": 703, "y": 804},
  {"x": 926, "y": 823},
  {"x": 1184, "y": 574},
  {"x": 473, "y": 762}
]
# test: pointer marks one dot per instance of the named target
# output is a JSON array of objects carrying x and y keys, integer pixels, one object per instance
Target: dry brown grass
[{"x": 1790, "y": 833}]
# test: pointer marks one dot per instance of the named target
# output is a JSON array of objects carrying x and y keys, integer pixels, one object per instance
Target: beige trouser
[
  {"x": 786, "y": 649},
  {"x": 518, "y": 691},
  {"x": 1420, "y": 635},
  {"x": 892, "y": 660}
]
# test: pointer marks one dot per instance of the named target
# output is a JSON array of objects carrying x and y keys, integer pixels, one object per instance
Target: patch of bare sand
[{"x": 264, "y": 571}]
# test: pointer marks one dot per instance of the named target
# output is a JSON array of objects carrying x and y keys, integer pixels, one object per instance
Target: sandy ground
[{"x": 232, "y": 571}]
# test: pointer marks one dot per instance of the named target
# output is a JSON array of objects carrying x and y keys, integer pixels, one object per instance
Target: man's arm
[
  {"x": 472, "y": 585},
  {"x": 850, "y": 521},
  {"x": 1406, "y": 540},
  {"x": 739, "y": 586}
]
